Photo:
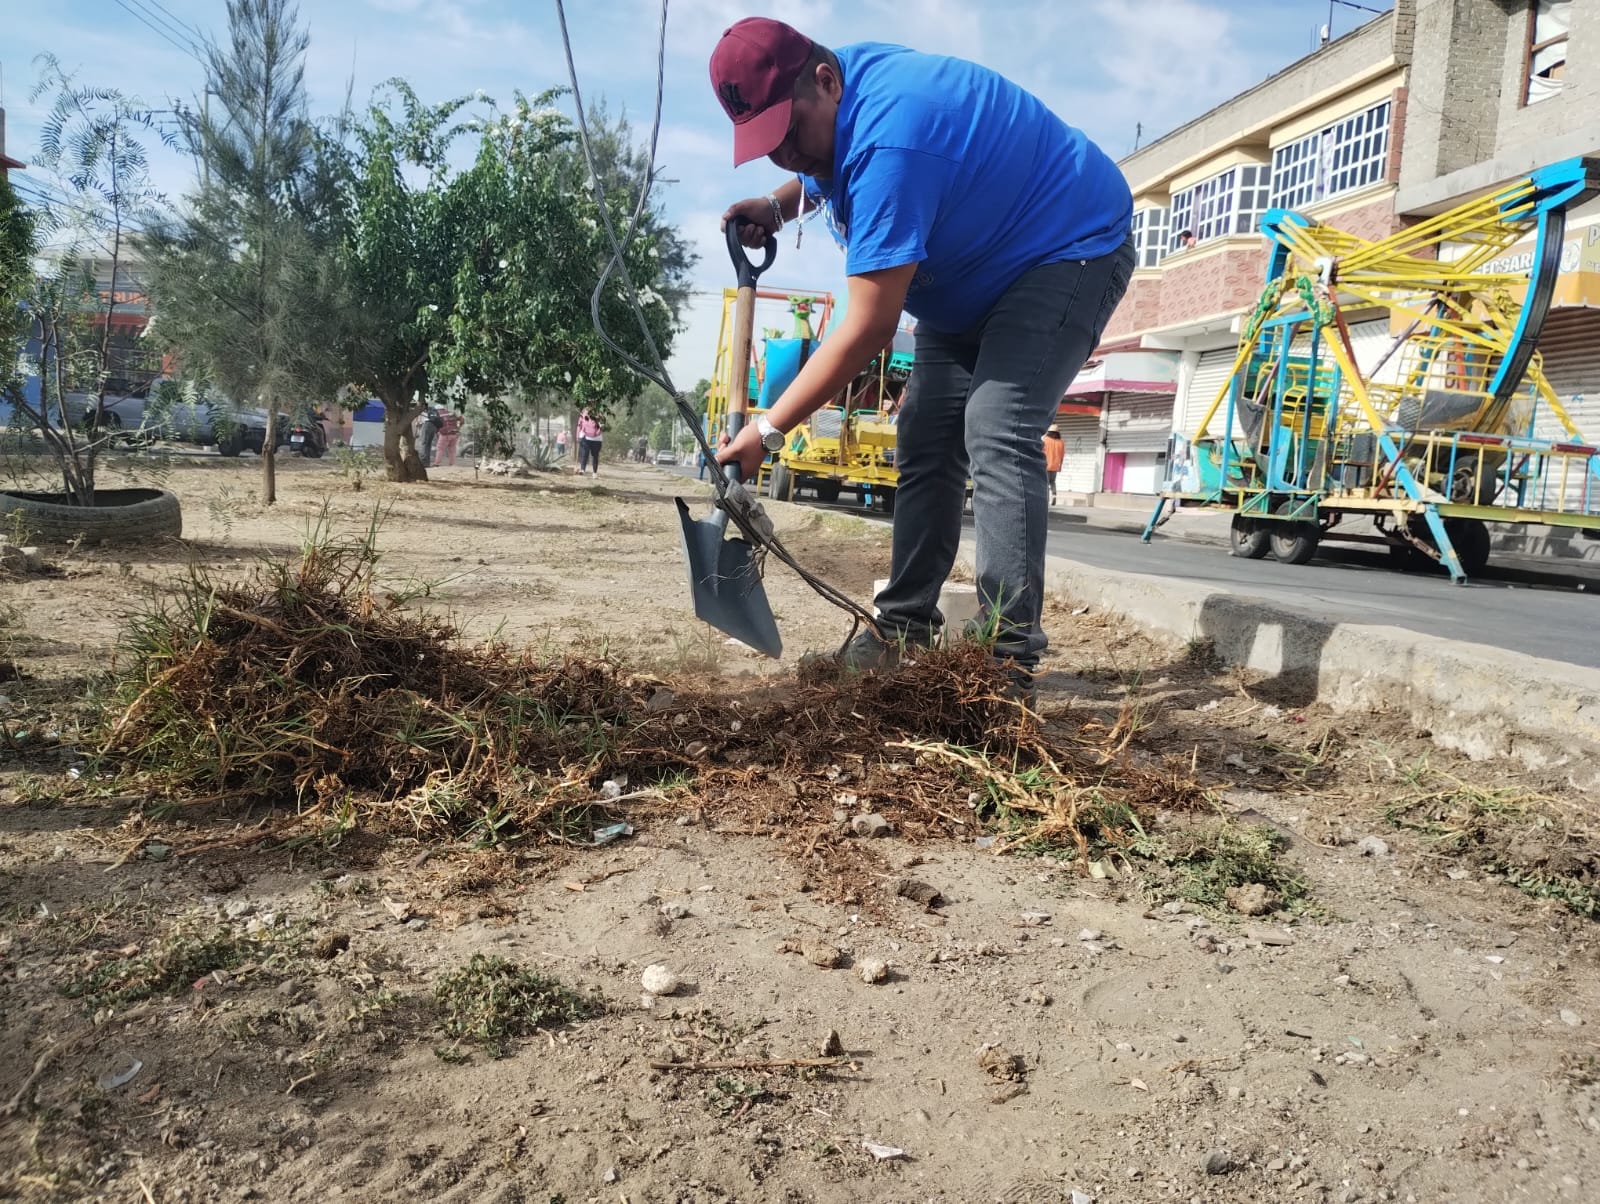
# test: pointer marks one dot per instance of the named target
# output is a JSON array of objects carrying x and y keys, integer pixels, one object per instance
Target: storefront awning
[{"x": 1128, "y": 372}]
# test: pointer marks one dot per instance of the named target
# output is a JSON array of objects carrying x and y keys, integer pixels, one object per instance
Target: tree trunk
[
  {"x": 269, "y": 456},
  {"x": 77, "y": 471},
  {"x": 400, "y": 458}
]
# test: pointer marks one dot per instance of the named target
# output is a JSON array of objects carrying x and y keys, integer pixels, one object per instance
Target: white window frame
[
  {"x": 1351, "y": 153},
  {"x": 1182, "y": 218},
  {"x": 1150, "y": 235},
  {"x": 1231, "y": 202}
]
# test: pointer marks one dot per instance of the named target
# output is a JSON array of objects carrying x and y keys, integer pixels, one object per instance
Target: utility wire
[
  {"x": 193, "y": 33},
  {"x": 182, "y": 33},
  {"x": 144, "y": 20},
  {"x": 740, "y": 509},
  {"x": 34, "y": 194}
]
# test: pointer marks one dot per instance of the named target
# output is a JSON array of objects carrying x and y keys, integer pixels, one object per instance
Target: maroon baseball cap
[{"x": 753, "y": 72}]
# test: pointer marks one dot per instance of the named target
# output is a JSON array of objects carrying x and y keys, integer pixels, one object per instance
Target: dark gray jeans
[{"x": 977, "y": 405}]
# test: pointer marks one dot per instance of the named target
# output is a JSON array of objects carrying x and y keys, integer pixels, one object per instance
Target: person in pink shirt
[
  {"x": 449, "y": 437},
  {"x": 588, "y": 443}
]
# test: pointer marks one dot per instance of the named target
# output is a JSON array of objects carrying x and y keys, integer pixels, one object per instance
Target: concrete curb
[{"x": 1479, "y": 700}]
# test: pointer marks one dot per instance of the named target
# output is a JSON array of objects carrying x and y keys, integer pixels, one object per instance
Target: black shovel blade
[{"x": 725, "y": 585}]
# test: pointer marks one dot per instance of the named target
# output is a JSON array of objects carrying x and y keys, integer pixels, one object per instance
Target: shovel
[{"x": 724, "y": 577}]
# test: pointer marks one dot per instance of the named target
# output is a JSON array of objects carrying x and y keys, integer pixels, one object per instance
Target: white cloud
[
  {"x": 683, "y": 143},
  {"x": 952, "y": 27}
]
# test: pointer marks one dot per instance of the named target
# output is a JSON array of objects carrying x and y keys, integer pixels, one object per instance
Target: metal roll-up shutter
[
  {"x": 1081, "y": 435},
  {"x": 1138, "y": 422},
  {"x": 1569, "y": 346},
  {"x": 1209, "y": 375}
]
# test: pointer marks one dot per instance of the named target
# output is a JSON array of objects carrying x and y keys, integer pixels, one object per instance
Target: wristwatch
[{"x": 771, "y": 437}]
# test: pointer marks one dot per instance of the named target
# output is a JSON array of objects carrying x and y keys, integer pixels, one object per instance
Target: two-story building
[
  {"x": 1324, "y": 136},
  {"x": 1410, "y": 114}
]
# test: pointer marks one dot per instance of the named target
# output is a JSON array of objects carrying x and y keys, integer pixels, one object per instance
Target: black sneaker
[
  {"x": 1021, "y": 688},
  {"x": 868, "y": 653}
]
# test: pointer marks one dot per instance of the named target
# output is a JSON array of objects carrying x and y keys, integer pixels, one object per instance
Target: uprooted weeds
[{"x": 308, "y": 684}]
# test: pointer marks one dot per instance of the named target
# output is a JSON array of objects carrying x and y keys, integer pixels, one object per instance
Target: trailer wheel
[
  {"x": 827, "y": 491},
  {"x": 1470, "y": 537},
  {"x": 1294, "y": 542},
  {"x": 1248, "y": 539},
  {"x": 780, "y": 482}
]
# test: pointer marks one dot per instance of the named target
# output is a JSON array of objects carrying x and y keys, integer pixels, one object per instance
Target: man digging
[{"x": 962, "y": 200}]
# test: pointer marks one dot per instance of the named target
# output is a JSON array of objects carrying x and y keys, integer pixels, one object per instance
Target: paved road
[{"x": 1552, "y": 612}]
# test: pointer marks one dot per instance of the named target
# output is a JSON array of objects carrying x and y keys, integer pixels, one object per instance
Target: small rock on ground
[
  {"x": 1219, "y": 1162},
  {"x": 918, "y": 892},
  {"x": 659, "y": 980},
  {"x": 874, "y": 970},
  {"x": 870, "y": 825},
  {"x": 1252, "y": 899}
]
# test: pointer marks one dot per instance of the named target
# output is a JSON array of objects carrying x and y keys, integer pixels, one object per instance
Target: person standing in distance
[
  {"x": 962, "y": 200},
  {"x": 1055, "y": 455}
]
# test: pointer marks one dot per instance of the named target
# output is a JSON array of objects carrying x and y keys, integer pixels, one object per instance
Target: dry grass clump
[{"x": 309, "y": 685}]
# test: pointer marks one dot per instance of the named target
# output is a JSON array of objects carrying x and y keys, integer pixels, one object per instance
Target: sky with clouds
[{"x": 1107, "y": 66}]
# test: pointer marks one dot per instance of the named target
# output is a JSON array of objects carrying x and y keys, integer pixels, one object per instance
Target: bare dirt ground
[{"x": 1047, "y": 1030}]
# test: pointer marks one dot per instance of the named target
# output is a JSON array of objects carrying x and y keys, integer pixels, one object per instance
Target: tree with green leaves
[
  {"x": 247, "y": 279},
  {"x": 476, "y": 281},
  {"x": 91, "y": 147},
  {"x": 400, "y": 253},
  {"x": 624, "y": 168},
  {"x": 16, "y": 287}
]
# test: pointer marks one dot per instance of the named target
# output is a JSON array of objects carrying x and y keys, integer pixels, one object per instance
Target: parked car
[
  {"x": 666, "y": 456},
  {"x": 209, "y": 421},
  {"x": 181, "y": 415},
  {"x": 122, "y": 409}
]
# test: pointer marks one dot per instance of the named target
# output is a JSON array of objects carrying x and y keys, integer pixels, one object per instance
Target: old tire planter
[{"x": 119, "y": 516}]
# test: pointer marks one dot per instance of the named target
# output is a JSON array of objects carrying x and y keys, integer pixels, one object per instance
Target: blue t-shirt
[{"x": 943, "y": 163}]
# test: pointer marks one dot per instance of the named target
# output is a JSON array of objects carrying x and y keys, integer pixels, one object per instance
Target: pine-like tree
[{"x": 246, "y": 280}]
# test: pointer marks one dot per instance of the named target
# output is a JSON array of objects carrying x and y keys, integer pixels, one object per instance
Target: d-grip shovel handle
[{"x": 747, "y": 268}]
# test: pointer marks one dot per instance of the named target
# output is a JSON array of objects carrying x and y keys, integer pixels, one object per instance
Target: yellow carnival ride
[
  {"x": 1438, "y": 438},
  {"x": 848, "y": 444}
]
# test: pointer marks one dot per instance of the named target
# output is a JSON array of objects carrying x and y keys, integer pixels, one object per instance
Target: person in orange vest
[{"x": 1055, "y": 451}]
